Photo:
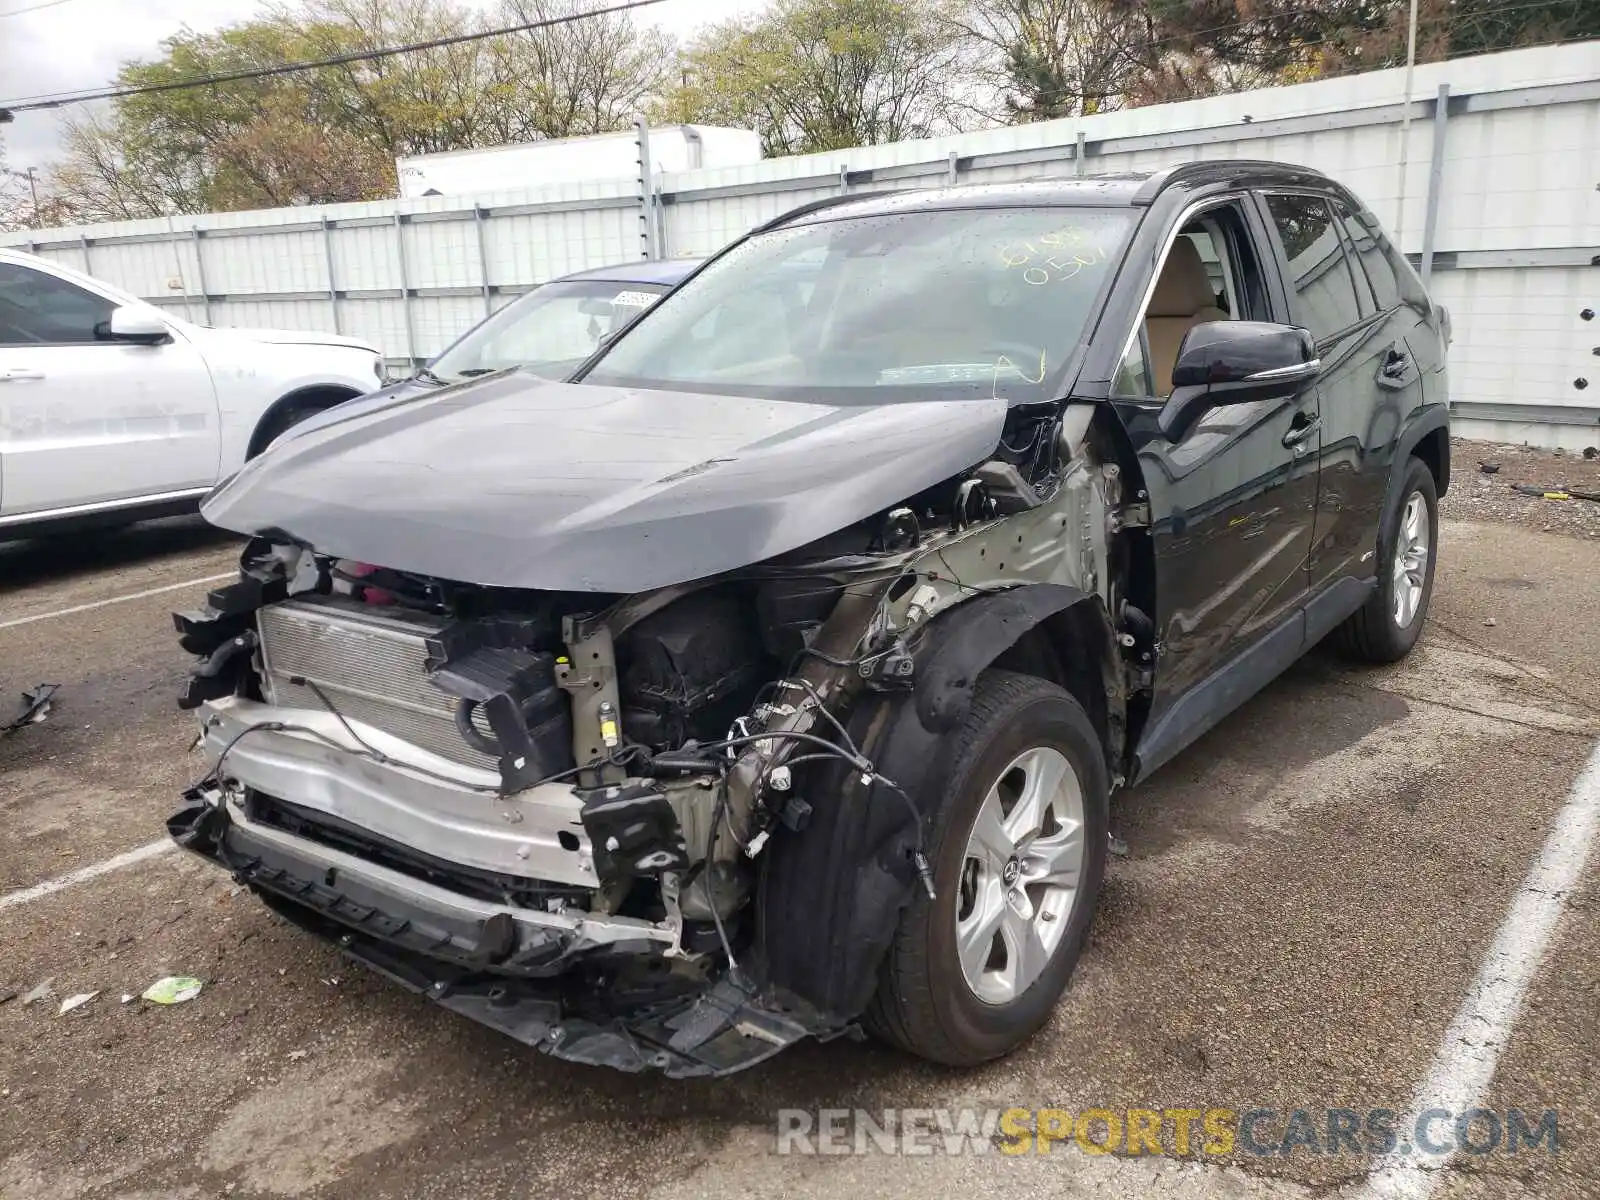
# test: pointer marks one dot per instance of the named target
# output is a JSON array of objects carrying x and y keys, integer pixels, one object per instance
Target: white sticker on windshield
[{"x": 634, "y": 299}]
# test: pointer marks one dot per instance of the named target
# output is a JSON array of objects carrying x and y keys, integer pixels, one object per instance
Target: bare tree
[
  {"x": 1043, "y": 59},
  {"x": 16, "y": 200},
  {"x": 583, "y": 77},
  {"x": 110, "y": 175}
]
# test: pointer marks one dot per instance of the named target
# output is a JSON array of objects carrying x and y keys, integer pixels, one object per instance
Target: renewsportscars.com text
[{"x": 1177, "y": 1132}]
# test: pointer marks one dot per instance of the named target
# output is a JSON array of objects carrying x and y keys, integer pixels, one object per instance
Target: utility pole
[
  {"x": 33, "y": 188},
  {"x": 1405, "y": 127}
]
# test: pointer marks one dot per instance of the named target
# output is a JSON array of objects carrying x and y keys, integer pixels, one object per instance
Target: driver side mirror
[
  {"x": 134, "y": 324},
  {"x": 1236, "y": 362}
]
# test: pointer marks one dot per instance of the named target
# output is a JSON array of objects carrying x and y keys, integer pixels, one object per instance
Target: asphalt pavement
[{"x": 1301, "y": 925}]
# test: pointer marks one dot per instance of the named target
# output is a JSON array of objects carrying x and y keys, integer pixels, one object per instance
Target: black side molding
[{"x": 1203, "y": 706}]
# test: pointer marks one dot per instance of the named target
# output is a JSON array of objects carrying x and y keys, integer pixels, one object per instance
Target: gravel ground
[
  {"x": 1477, "y": 496},
  {"x": 1308, "y": 894}
]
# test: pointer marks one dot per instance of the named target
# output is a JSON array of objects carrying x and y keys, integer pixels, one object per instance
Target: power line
[
  {"x": 61, "y": 100},
  {"x": 17, "y": 12}
]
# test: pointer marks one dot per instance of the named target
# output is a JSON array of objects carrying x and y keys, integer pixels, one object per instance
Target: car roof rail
[
  {"x": 807, "y": 209},
  {"x": 1226, "y": 170}
]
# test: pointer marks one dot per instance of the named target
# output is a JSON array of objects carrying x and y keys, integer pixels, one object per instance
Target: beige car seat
[{"x": 1182, "y": 299}]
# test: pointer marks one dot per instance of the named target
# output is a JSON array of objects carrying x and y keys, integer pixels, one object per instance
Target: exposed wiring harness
[{"x": 851, "y": 754}]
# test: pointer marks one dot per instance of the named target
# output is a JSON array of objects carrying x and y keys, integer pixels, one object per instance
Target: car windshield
[
  {"x": 550, "y": 331},
  {"x": 882, "y": 308}
]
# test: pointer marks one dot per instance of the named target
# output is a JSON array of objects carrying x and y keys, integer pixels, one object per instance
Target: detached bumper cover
[{"x": 501, "y": 967}]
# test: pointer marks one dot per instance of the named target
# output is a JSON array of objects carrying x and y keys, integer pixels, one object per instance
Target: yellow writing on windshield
[{"x": 1054, "y": 256}]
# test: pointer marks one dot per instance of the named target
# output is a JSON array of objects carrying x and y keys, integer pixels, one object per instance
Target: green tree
[
  {"x": 332, "y": 134},
  {"x": 815, "y": 75}
]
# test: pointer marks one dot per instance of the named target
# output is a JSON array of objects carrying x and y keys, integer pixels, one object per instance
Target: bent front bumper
[
  {"x": 499, "y": 965},
  {"x": 410, "y": 798}
]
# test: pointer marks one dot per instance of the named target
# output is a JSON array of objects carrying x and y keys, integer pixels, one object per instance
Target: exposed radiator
[{"x": 370, "y": 665}]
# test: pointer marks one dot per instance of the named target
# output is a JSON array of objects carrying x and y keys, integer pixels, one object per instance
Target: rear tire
[
  {"x": 960, "y": 1008},
  {"x": 1388, "y": 625}
]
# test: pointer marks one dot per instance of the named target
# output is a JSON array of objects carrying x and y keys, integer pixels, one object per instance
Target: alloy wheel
[
  {"x": 1020, "y": 875},
  {"x": 1412, "y": 543}
]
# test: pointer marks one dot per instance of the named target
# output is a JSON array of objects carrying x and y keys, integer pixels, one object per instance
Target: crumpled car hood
[{"x": 514, "y": 481}]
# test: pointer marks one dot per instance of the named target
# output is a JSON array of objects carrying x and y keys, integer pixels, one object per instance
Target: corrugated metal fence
[{"x": 1491, "y": 185}]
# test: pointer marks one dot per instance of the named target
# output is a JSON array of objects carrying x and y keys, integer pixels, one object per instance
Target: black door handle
[{"x": 1394, "y": 366}]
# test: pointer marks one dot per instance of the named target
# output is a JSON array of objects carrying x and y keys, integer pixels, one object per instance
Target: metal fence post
[
  {"x": 844, "y": 179},
  {"x": 952, "y": 170},
  {"x": 200, "y": 273},
  {"x": 1080, "y": 146},
  {"x": 647, "y": 189},
  {"x": 327, "y": 258},
  {"x": 405, "y": 290},
  {"x": 83, "y": 244},
  {"x": 479, "y": 217},
  {"x": 1430, "y": 226}
]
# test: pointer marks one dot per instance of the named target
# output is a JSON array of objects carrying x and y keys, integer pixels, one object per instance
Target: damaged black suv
[{"x": 771, "y": 678}]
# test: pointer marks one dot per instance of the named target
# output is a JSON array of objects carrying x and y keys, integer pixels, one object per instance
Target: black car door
[
  {"x": 1369, "y": 380},
  {"x": 1231, "y": 501}
]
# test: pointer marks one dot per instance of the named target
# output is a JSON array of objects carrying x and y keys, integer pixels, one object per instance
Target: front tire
[
  {"x": 1388, "y": 625},
  {"x": 1019, "y": 851}
]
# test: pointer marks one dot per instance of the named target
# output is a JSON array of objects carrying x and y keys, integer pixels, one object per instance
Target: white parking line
[
  {"x": 78, "y": 608},
  {"x": 1466, "y": 1060},
  {"x": 84, "y": 874}
]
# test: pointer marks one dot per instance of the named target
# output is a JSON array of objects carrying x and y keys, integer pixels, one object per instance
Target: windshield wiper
[
  {"x": 427, "y": 375},
  {"x": 470, "y": 372}
]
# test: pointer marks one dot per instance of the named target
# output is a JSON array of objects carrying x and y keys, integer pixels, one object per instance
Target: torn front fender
[{"x": 831, "y": 894}]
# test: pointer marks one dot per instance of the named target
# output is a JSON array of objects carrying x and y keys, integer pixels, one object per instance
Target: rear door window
[
  {"x": 1322, "y": 290},
  {"x": 1367, "y": 242}
]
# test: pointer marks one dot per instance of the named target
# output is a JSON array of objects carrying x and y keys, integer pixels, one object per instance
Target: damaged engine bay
[{"x": 668, "y": 829}]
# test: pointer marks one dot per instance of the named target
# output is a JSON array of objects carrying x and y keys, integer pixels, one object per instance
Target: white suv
[{"x": 112, "y": 410}]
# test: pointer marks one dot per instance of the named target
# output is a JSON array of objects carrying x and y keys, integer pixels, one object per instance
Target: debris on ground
[
  {"x": 174, "y": 989},
  {"x": 38, "y": 992},
  {"x": 1499, "y": 497},
  {"x": 1554, "y": 493},
  {"x": 8, "y": 994},
  {"x": 72, "y": 1002},
  {"x": 35, "y": 707},
  {"x": 1489, "y": 468},
  {"x": 297, "y": 1055}
]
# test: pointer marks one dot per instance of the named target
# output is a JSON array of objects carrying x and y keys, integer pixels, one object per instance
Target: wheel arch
[
  {"x": 830, "y": 895},
  {"x": 1425, "y": 437},
  {"x": 1433, "y": 448},
  {"x": 315, "y": 397}
]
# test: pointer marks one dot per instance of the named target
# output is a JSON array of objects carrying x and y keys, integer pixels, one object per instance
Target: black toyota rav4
[{"x": 771, "y": 679}]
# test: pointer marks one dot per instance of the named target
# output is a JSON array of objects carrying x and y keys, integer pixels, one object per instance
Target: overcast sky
[{"x": 69, "y": 45}]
